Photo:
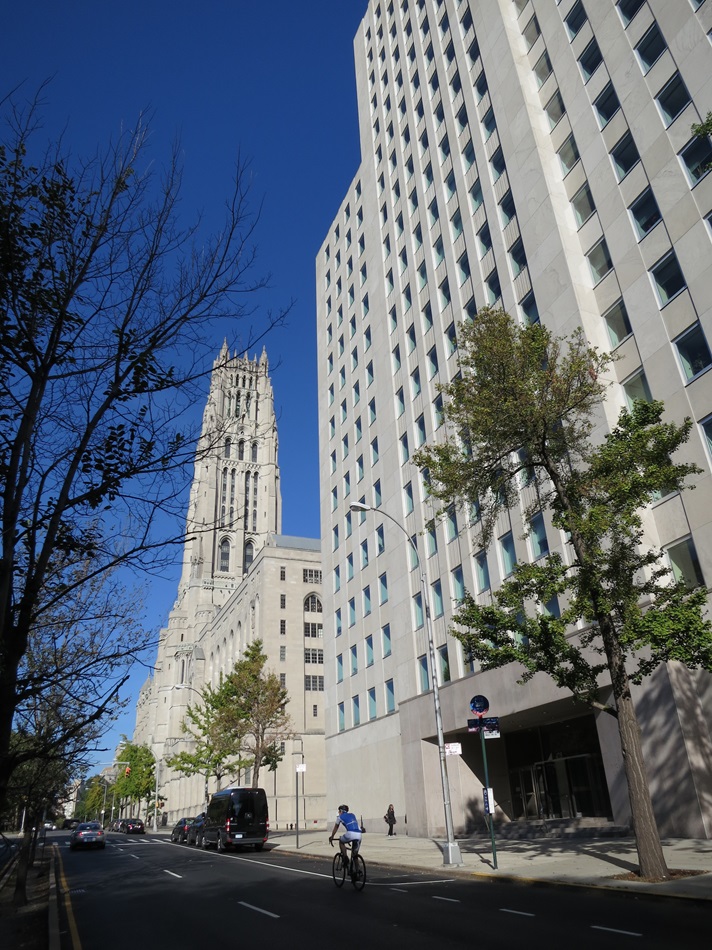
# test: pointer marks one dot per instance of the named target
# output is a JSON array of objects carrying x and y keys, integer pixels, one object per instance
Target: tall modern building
[
  {"x": 241, "y": 580},
  {"x": 535, "y": 155}
]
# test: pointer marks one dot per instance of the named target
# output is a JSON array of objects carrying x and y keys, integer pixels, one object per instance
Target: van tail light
[
  {"x": 267, "y": 825},
  {"x": 227, "y": 825}
]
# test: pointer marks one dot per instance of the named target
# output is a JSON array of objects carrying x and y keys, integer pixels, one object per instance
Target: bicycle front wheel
[
  {"x": 338, "y": 870},
  {"x": 358, "y": 876}
]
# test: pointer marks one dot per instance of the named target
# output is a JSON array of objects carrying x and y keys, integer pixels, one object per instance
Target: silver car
[{"x": 88, "y": 834}]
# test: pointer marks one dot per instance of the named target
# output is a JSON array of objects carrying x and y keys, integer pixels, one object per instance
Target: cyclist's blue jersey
[{"x": 349, "y": 821}]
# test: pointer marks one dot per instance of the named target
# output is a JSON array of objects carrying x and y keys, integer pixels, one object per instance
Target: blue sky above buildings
[{"x": 274, "y": 81}]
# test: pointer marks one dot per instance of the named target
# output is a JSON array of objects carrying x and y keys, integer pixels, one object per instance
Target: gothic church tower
[
  {"x": 235, "y": 506},
  {"x": 235, "y": 500}
]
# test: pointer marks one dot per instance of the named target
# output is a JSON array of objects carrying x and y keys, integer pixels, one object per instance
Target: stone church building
[{"x": 241, "y": 580}]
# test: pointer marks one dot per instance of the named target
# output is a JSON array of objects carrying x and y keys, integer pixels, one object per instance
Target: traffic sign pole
[{"x": 480, "y": 707}]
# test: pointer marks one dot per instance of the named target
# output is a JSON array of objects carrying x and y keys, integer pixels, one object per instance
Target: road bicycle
[{"x": 355, "y": 867}]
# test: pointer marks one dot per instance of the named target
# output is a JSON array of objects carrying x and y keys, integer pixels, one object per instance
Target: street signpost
[{"x": 480, "y": 707}]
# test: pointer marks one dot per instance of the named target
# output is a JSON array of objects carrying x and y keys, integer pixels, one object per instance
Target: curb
[{"x": 623, "y": 891}]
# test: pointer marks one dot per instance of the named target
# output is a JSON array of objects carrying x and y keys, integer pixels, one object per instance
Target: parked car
[
  {"x": 69, "y": 823},
  {"x": 180, "y": 829},
  {"x": 132, "y": 826},
  {"x": 87, "y": 834},
  {"x": 116, "y": 824},
  {"x": 235, "y": 817},
  {"x": 195, "y": 830}
]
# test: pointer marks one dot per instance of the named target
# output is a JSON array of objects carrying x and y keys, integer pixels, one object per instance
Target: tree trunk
[
  {"x": 23, "y": 866},
  {"x": 647, "y": 838}
]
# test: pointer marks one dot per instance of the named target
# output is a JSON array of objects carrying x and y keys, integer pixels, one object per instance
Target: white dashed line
[
  {"x": 612, "y": 930},
  {"x": 172, "y": 874},
  {"x": 451, "y": 900},
  {"x": 259, "y": 909},
  {"x": 519, "y": 913}
]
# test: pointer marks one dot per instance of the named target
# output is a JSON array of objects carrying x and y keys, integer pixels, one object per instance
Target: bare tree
[{"x": 107, "y": 307}]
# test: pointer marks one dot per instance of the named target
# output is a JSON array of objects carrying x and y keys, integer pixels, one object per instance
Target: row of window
[{"x": 389, "y": 701}]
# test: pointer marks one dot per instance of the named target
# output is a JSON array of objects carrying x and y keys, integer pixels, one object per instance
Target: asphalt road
[{"x": 146, "y": 892}]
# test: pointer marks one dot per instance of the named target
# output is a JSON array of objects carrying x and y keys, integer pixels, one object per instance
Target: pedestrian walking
[{"x": 390, "y": 820}]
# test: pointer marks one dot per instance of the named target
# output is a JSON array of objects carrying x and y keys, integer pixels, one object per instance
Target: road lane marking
[
  {"x": 258, "y": 909},
  {"x": 173, "y": 874},
  {"x": 612, "y": 930},
  {"x": 401, "y": 890},
  {"x": 519, "y": 913},
  {"x": 69, "y": 910},
  {"x": 452, "y": 900},
  {"x": 134, "y": 856}
]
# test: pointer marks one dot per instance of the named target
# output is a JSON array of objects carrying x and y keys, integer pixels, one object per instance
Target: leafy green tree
[
  {"x": 136, "y": 782},
  {"x": 524, "y": 410},
  {"x": 216, "y": 750},
  {"x": 107, "y": 302},
  {"x": 255, "y": 710}
]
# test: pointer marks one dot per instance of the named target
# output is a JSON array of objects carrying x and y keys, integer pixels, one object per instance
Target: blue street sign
[{"x": 479, "y": 705}]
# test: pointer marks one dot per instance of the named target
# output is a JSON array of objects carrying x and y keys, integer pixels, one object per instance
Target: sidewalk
[{"x": 589, "y": 862}]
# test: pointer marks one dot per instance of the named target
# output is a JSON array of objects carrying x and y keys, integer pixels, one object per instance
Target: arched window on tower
[
  {"x": 228, "y": 448},
  {"x": 312, "y": 605},
  {"x": 254, "y": 502},
  {"x": 249, "y": 556},
  {"x": 254, "y": 451},
  {"x": 224, "y": 555},
  {"x": 247, "y": 500},
  {"x": 241, "y": 450}
]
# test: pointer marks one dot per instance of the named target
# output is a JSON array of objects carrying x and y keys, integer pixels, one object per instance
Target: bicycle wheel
[
  {"x": 358, "y": 876},
  {"x": 338, "y": 870}
]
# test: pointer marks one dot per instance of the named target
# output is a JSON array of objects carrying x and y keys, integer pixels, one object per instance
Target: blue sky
[{"x": 274, "y": 80}]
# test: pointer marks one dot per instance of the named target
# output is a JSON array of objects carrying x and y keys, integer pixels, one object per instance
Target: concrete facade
[
  {"x": 241, "y": 580},
  {"x": 534, "y": 155}
]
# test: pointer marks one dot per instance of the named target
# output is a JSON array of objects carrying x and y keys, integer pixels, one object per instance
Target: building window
[
  {"x": 224, "y": 555},
  {"x": 423, "y": 674},
  {"x": 372, "y": 703},
  {"x": 497, "y": 165},
  {"x": 282, "y": 601},
  {"x": 390, "y": 697},
  {"x": 444, "y": 663},
  {"x": 668, "y": 278},
  {"x": 366, "y": 593},
  {"x": 606, "y": 105},
  {"x": 482, "y": 575},
  {"x": 517, "y": 257},
  {"x": 282, "y": 679},
  {"x": 625, "y": 156},
  {"x": 555, "y": 109},
  {"x": 476, "y": 197},
  {"x": 437, "y": 598},
  {"x": 628, "y": 9},
  {"x": 617, "y": 323},
  {"x": 509, "y": 558},
  {"x": 340, "y": 668},
  {"x": 537, "y": 536},
  {"x": 685, "y": 564},
  {"x": 568, "y": 154},
  {"x": 582, "y": 204},
  {"x": 282, "y": 628},
  {"x": 458, "y": 584},
  {"x": 590, "y": 60},
  {"x": 283, "y": 573},
  {"x": 282, "y": 653},
  {"x": 645, "y": 213},
  {"x": 408, "y": 498},
  {"x": 672, "y": 99},
  {"x": 650, "y": 48},
  {"x": 543, "y": 68},
  {"x": 529, "y": 309},
  {"x": 636, "y": 389},
  {"x": 383, "y": 589},
  {"x": 697, "y": 158},
  {"x": 418, "y": 610},
  {"x": 694, "y": 352},
  {"x": 386, "y": 639},
  {"x": 352, "y": 611},
  {"x": 494, "y": 289},
  {"x": 599, "y": 260},
  {"x": 531, "y": 32},
  {"x": 342, "y": 724},
  {"x": 575, "y": 19}
]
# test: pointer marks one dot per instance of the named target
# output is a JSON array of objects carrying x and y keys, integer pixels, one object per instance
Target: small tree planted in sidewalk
[{"x": 523, "y": 410}]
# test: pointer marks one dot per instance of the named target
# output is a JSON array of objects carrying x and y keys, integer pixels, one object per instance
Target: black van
[{"x": 236, "y": 816}]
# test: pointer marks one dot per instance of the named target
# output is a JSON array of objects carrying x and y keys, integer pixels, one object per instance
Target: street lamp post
[
  {"x": 296, "y": 786},
  {"x": 451, "y": 853}
]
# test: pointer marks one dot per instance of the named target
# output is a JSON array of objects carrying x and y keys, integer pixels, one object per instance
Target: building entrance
[
  {"x": 556, "y": 771},
  {"x": 568, "y": 787}
]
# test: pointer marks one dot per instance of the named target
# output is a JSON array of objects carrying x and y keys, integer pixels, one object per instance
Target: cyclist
[{"x": 352, "y": 831}]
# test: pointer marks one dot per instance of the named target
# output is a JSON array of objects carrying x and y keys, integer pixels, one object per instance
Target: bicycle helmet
[{"x": 343, "y": 807}]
